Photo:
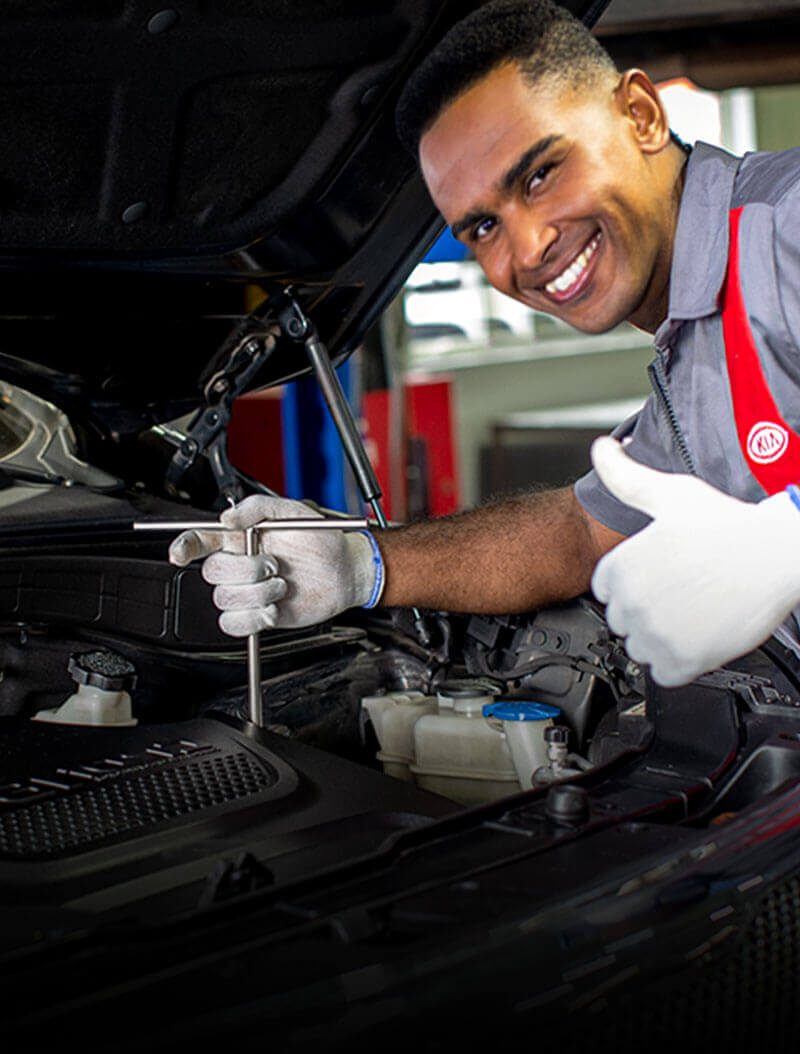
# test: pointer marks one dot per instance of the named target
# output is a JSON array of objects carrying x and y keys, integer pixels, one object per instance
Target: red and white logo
[{"x": 766, "y": 442}]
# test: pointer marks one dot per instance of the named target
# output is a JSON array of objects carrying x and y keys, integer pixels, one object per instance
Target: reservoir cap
[
  {"x": 102, "y": 669},
  {"x": 511, "y": 711}
]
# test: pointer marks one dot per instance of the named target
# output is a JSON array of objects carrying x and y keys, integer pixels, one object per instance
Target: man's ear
[{"x": 638, "y": 101}]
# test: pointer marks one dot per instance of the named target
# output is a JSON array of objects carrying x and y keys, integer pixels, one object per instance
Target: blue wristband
[
  {"x": 794, "y": 493},
  {"x": 377, "y": 559}
]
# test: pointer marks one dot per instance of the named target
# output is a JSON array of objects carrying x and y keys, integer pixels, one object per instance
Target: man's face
[{"x": 556, "y": 193}]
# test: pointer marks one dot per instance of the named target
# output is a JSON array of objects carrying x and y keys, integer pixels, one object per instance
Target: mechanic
[{"x": 563, "y": 178}]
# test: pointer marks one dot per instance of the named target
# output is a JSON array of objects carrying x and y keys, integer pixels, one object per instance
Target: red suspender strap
[{"x": 770, "y": 448}]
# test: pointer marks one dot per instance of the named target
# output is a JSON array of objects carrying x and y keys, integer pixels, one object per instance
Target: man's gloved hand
[
  {"x": 298, "y": 578},
  {"x": 708, "y": 580}
]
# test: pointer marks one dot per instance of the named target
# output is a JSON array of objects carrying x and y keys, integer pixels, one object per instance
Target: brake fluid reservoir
[
  {"x": 459, "y": 753},
  {"x": 393, "y": 717},
  {"x": 524, "y": 726}
]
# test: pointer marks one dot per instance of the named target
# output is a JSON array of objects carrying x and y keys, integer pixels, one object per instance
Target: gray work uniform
[{"x": 688, "y": 424}]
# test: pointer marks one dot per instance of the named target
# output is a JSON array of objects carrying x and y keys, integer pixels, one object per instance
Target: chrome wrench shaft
[
  {"x": 256, "y": 703},
  {"x": 308, "y": 524}
]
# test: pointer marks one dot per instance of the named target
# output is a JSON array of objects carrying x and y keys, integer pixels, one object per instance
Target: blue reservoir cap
[{"x": 511, "y": 711}]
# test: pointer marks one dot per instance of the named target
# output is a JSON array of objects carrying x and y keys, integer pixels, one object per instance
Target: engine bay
[
  {"x": 189, "y": 832},
  {"x": 403, "y": 758},
  {"x": 170, "y": 810}
]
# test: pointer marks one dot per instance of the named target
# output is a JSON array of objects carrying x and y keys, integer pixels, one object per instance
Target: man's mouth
[{"x": 573, "y": 278}]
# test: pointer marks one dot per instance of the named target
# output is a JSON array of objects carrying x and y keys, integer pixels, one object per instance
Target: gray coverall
[{"x": 687, "y": 424}]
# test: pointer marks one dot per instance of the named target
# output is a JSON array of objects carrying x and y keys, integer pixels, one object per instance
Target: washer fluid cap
[
  {"x": 102, "y": 669},
  {"x": 511, "y": 711}
]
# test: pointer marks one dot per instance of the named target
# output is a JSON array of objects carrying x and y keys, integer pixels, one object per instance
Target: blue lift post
[{"x": 315, "y": 466}]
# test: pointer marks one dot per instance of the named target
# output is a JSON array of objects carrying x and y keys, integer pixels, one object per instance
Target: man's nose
[{"x": 531, "y": 239}]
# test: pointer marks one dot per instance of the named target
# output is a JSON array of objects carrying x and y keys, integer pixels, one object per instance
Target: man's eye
[
  {"x": 484, "y": 228},
  {"x": 536, "y": 179}
]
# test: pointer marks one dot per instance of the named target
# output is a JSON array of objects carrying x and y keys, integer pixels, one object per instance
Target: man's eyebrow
[
  {"x": 466, "y": 221},
  {"x": 521, "y": 166},
  {"x": 506, "y": 182}
]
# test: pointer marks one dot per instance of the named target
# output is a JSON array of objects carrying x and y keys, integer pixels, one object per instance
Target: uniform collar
[{"x": 700, "y": 251}]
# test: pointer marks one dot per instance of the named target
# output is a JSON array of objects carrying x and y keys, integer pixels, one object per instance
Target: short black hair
[{"x": 540, "y": 36}]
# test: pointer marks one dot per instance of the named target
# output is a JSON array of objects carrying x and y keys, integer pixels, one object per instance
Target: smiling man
[
  {"x": 567, "y": 196},
  {"x": 562, "y": 176}
]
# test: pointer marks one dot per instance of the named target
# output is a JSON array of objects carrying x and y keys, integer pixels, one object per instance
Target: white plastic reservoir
[
  {"x": 461, "y": 743},
  {"x": 393, "y": 717},
  {"x": 460, "y": 754},
  {"x": 524, "y": 726}
]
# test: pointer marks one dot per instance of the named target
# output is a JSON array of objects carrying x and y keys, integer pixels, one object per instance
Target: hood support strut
[{"x": 297, "y": 326}]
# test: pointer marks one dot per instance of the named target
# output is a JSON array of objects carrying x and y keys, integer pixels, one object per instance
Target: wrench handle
[{"x": 253, "y": 648}]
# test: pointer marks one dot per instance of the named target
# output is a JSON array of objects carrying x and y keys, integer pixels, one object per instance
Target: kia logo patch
[{"x": 766, "y": 442}]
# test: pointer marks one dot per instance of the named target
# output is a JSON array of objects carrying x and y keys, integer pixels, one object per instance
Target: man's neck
[{"x": 655, "y": 304}]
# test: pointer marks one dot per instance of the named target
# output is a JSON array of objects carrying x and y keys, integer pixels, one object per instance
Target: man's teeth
[{"x": 571, "y": 274}]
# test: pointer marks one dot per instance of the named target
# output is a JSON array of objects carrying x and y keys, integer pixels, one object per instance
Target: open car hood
[{"x": 163, "y": 171}]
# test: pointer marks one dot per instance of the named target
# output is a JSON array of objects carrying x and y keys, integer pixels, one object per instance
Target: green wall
[{"x": 777, "y": 113}]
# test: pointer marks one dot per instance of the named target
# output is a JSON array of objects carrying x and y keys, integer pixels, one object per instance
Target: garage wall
[
  {"x": 484, "y": 394},
  {"x": 777, "y": 111}
]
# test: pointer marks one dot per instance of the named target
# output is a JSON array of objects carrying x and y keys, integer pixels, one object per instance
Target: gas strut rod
[{"x": 298, "y": 326}]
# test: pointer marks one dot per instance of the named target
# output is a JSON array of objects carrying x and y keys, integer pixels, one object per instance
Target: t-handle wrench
[{"x": 251, "y": 537}]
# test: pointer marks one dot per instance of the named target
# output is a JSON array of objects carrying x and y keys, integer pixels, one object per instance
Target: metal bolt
[
  {"x": 567, "y": 805},
  {"x": 556, "y": 734}
]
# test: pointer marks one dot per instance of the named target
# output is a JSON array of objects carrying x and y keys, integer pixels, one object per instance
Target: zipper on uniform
[{"x": 660, "y": 385}]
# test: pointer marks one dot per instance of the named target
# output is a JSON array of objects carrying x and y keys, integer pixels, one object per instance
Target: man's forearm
[{"x": 514, "y": 555}]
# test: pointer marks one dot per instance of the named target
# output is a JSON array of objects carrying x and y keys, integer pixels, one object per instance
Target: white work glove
[
  {"x": 708, "y": 580},
  {"x": 298, "y": 578}
]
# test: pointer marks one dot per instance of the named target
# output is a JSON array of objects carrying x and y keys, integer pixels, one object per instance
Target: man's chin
[
  {"x": 591, "y": 315},
  {"x": 592, "y": 324}
]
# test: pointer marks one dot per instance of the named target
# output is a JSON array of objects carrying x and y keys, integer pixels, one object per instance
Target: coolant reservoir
[
  {"x": 461, "y": 743},
  {"x": 393, "y": 717},
  {"x": 459, "y": 753},
  {"x": 105, "y": 681}
]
